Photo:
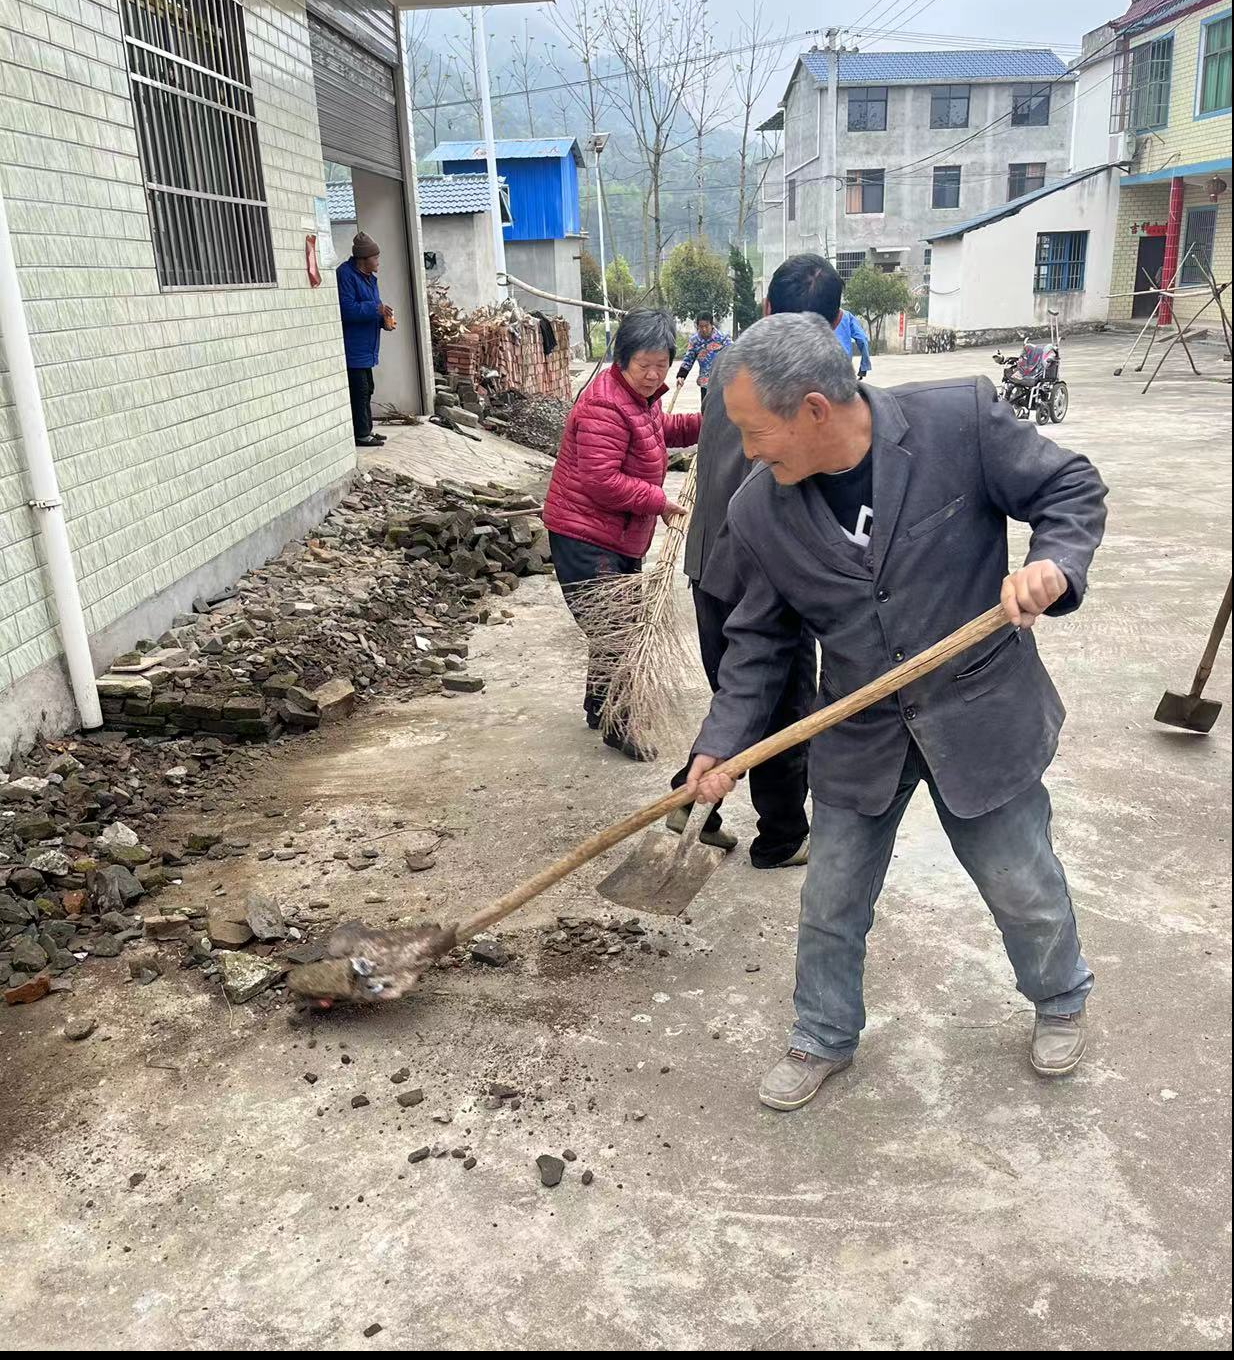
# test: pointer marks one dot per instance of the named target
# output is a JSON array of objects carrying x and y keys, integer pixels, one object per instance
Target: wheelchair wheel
[
  {"x": 1060, "y": 400},
  {"x": 1042, "y": 412}
]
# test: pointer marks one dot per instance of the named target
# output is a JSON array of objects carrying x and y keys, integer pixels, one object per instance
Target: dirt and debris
[{"x": 379, "y": 597}]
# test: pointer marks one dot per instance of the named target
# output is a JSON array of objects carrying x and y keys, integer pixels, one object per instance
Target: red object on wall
[
  {"x": 311, "y": 266},
  {"x": 1169, "y": 265}
]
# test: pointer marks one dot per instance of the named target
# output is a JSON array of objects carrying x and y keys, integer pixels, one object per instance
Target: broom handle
[{"x": 904, "y": 674}]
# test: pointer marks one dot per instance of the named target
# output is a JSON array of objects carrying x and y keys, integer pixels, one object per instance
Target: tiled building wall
[
  {"x": 1150, "y": 203},
  {"x": 1189, "y": 138},
  {"x": 181, "y": 423}
]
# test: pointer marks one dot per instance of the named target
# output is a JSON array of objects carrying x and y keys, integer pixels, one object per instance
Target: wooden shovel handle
[
  {"x": 1220, "y": 623},
  {"x": 912, "y": 669}
]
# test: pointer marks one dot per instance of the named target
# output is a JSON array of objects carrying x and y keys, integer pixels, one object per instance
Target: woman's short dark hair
[
  {"x": 645, "y": 328},
  {"x": 806, "y": 283}
]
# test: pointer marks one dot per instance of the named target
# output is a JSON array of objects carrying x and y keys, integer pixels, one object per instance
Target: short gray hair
[
  {"x": 644, "y": 329},
  {"x": 788, "y": 356}
]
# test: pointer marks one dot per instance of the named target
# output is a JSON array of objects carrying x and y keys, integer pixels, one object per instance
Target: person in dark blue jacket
[{"x": 365, "y": 316}]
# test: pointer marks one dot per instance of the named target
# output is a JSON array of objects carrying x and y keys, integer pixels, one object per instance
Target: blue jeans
[{"x": 1007, "y": 854}]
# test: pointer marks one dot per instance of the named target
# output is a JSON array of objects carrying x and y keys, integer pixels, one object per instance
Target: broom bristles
[{"x": 639, "y": 640}]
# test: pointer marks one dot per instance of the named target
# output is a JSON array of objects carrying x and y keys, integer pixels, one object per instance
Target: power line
[{"x": 786, "y": 40}]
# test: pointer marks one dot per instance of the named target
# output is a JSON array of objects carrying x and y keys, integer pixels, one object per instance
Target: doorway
[{"x": 1148, "y": 264}]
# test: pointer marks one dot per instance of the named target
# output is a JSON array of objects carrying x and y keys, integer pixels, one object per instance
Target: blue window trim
[
  {"x": 1169, "y": 89},
  {"x": 1196, "y": 115},
  {"x": 1197, "y": 208}
]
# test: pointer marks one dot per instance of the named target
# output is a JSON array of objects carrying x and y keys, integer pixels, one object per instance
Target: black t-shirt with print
[{"x": 850, "y": 495}]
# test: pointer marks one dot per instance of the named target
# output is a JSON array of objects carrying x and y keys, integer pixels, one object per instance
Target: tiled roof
[
  {"x": 438, "y": 196},
  {"x": 918, "y": 68},
  {"x": 341, "y": 202}
]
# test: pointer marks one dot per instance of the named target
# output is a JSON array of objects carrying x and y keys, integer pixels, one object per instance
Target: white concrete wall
[
  {"x": 1091, "y": 140},
  {"x": 182, "y": 423},
  {"x": 553, "y": 267},
  {"x": 464, "y": 246},
  {"x": 381, "y": 212},
  {"x": 984, "y": 280}
]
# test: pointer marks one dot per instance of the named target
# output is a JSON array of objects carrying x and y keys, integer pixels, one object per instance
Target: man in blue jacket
[
  {"x": 850, "y": 334},
  {"x": 365, "y": 316}
]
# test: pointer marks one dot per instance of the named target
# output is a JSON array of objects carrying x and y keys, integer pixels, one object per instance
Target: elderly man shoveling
[{"x": 878, "y": 520}]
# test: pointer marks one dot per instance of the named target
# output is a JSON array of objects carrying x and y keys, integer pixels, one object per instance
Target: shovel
[
  {"x": 1190, "y": 711},
  {"x": 664, "y": 873}
]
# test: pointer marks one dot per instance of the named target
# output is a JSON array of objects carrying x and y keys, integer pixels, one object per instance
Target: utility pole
[
  {"x": 831, "y": 143},
  {"x": 490, "y": 149},
  {"x": 596, "y": 145}
]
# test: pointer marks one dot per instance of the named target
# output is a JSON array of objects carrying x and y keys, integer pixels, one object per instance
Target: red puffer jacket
[{"x": 607, "y": 485}]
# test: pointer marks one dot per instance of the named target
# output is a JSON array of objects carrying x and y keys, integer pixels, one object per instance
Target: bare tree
[
  {"x": 523, "y": 69},
  {"x": 591, "y": 99},
  {"x": 463, "y": 60},
  {"x": 662, "y": 55},
  {"x": 704, "y": 112},
  {"x": 416, "y": 52},
  {"x": 752, "y": 67}
]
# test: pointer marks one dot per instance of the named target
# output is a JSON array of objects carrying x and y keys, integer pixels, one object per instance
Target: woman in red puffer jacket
[{"x": 608, "y": 485}]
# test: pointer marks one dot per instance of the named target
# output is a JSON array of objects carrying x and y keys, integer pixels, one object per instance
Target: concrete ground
[{"x": 937, "y": 1196}]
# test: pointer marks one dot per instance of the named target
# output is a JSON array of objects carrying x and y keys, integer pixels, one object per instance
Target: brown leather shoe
[{"x": 795, "y": 1080}]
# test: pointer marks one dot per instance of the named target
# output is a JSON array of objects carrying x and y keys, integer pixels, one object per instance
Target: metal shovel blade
[
  {"x": 662, "y": 874},
  {"x": 1192, "y": 712}
]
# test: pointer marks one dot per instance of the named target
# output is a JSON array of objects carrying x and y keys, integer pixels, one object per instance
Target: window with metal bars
[
  {"x": 1025, "y": 178},
  {"x": 197, "y": 131},
  {"x": 848, "y": 262},
  {"x": 863, "y": 191},
  {"x": 1030, "y": 106},
  {"x": 949, "y": 106},
  {"x": 946, "y": 186},
  {"x": 867, "y": 108},
  {"x": 1061, "y": 256},
  {"x": 1151, "y": 64},
  {"x": 1198, "y": 242}
]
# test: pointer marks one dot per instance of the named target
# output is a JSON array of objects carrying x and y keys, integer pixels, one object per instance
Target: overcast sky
[{"x": 908, "y": 25}]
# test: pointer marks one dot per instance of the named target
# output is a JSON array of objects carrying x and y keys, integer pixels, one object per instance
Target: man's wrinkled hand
[
  {"x": 671, "y": 511},
  {"x": 705, "y": 784},
  {"x": 1029, "y": 592}
]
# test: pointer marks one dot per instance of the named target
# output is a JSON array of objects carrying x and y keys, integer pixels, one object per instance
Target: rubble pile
[
  {"x": 536, "y": 422},
  {"x": 380, "y": 596}
]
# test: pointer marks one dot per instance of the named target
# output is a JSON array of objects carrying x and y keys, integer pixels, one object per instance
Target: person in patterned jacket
[{"x": 706, "y": 343}]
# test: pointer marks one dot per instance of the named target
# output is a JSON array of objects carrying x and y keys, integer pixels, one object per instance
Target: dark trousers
[
  {"x": 577, "y": 564},
  {"x": 778, "y": 787},
  {"x": 360, "y": 389}
]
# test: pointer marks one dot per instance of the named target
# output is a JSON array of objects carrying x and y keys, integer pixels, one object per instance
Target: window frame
[
  {"x": 1167, "y": 84},
  {"x": 866, "y": 101},
  {"x": 936, "y": 94},
  {"x": 1021, "y": 102},
  {"x": 199, "y": 145},
  {"x": 1058, "y": 263},
  {"x": 951, "y": 176},
  {"x": 848, "y": 262},
  {"x": 1025, "y": 166},
  {"x": 1197, "y": 279},
  {"x": 1202, "y": 56},
  {"x": 856, "y": 179}
]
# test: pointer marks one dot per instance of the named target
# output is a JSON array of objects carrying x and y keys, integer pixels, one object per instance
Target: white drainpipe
[{"x": 45, "y": 501}]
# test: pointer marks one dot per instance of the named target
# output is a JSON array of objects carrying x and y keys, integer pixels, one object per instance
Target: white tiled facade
[{"x": 181, "y": 423}]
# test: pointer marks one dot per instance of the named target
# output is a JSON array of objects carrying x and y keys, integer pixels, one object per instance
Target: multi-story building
[
  {"x": 883, "y": 149},
  {"x": 1171, "y": 107}
]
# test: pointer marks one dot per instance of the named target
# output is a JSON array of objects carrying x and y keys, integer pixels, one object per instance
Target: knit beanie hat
[{"x": 364, "y": 247}]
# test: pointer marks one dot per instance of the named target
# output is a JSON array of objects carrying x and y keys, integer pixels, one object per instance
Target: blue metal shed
[{"x": 542, "y": 175}]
